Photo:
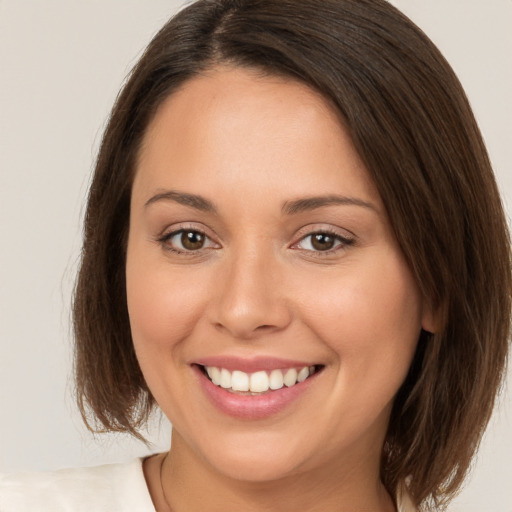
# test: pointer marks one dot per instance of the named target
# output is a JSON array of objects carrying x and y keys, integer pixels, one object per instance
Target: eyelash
[
  {"x": 342, "y": 242},
  {"x": 166, "y": 238}
]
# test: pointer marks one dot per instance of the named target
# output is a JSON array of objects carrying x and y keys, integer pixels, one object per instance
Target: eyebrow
[
  {"x": 194, "y": 201},
  {"x": 312, "y": 203},
  {"x": 289, "y": 207}
]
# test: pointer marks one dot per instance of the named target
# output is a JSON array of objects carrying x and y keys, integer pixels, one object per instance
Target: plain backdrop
[{"x": 61, "y": 65}]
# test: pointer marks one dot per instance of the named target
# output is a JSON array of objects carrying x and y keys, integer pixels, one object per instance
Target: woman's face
[{"x": 260, "y": 252}]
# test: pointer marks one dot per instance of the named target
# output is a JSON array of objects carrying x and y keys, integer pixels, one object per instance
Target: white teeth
[
  {"x": 239, "y": 381},
  {"x": 225, "y": 379},
  {"x": 276, "y": 379},
  {"x": 290, "y": 377},
  {"x": 214, "y": 374},
  {"x": 303, "y": 375},
  {"x": 258, "y": 382}
]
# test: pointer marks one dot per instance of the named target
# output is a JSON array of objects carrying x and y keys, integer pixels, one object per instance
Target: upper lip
[{"x": 251, "y": 365}]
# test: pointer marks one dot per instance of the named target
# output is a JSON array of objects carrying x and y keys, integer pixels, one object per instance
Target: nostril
[
  {"x": 265, "y": 327},
  {"x": 245, "y": 328}
]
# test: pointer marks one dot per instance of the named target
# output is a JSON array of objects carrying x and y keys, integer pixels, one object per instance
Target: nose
[{"x": 250, "y": 298}]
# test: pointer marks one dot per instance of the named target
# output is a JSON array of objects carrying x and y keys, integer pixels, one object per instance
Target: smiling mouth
[{"x": 259, "y": 382}]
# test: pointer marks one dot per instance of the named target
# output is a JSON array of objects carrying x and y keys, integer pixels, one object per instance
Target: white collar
[{"x": 404, "y": 502}]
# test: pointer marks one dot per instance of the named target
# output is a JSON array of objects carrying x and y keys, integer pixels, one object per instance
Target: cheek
[
  {"x": 163, "y": 306},
  {"x": 371, "y": 319}
]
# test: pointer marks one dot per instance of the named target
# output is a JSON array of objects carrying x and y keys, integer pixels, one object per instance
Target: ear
[{"x": 431, "y": 319}]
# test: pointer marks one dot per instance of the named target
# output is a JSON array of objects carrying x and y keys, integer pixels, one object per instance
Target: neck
[{"x": 189, "y": 482}]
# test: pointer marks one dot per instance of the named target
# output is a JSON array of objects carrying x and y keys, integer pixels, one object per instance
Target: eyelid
[
  {"x": 346, "y": 238},
  {"x": 170, "y": 231}
]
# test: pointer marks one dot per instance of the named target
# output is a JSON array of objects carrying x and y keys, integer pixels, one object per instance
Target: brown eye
[
  {"x": 322, "y": 241},
  {"x": 192, "y": 240},
  {"x": 185, "y": 241}
]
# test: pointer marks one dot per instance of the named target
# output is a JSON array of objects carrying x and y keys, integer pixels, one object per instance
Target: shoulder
[{"x": 112, "y": 488}]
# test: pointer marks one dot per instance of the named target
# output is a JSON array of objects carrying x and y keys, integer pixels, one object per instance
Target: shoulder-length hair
[{"x": 413, "y": 127}]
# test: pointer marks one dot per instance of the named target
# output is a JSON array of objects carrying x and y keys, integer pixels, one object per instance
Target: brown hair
[{"x": 413, "y": 127}]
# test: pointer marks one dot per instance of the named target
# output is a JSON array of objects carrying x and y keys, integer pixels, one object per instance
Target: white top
[{"x": 109, "y": 488}]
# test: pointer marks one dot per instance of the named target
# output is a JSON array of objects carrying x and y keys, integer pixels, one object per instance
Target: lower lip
[{"x": 252, "y": 407}]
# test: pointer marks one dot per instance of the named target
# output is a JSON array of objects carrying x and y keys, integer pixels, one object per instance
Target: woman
[{"x": 294, "y": 245}]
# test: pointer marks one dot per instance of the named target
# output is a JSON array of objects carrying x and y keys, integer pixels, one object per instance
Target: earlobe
[{"x": 431, "y": 319}]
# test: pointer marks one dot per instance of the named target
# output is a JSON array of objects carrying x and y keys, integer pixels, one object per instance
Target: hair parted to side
[{"x": 413, "y": 127}]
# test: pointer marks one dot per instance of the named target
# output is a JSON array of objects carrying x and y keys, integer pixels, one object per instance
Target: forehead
[
  {"x": 237, "y": 95},
  {"x": 247, "y": 127}
]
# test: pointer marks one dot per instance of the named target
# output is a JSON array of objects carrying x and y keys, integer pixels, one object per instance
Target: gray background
[{"x": 61, "y": 65}]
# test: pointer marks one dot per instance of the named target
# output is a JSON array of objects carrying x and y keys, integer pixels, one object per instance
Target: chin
[
  {"x": 254, "y": 460},
  {"x": 255, "y": 470}
]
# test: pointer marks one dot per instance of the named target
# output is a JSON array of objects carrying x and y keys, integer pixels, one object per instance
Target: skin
[{"x": 249, "y": 144}]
